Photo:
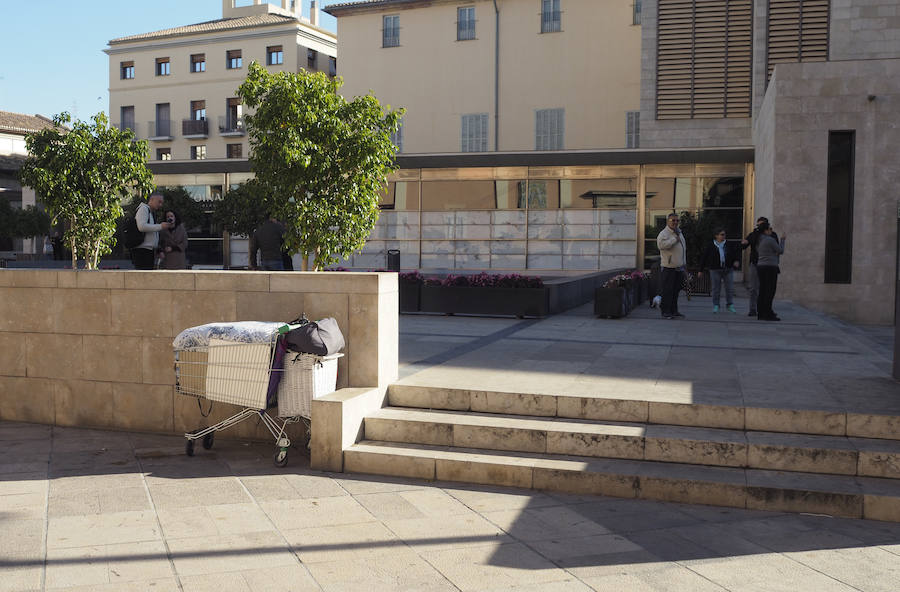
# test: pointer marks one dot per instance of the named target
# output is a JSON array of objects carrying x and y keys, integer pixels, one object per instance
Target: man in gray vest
[{"x": 672, "y": 256}]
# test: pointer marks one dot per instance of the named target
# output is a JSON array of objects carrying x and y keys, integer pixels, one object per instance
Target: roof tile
[
  {"x": 21, "y": 123},
  {"x": 225, "y": 24}
]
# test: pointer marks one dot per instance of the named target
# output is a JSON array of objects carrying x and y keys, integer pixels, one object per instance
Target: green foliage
[
  {"x": 82, "y": 175},
  {"x": 698, "y": 232},
  {"x": 242, "y": 209},
  {"x": 322, "y": 159},
  {"x": 175, "y": 198}
]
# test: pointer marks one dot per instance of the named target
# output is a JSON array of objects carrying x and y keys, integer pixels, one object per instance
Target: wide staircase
[{"x": 795, "y": 460}]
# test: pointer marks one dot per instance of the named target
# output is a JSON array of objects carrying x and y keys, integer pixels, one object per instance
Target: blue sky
[{"x": 52, "y": 50}]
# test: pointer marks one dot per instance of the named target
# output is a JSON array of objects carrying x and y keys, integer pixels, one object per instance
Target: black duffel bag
[{"x": 322, "y": 338}]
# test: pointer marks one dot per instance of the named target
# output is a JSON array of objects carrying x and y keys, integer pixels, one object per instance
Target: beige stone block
[
  {"x": 326, "y": 448},
  {"x": 66, "y": 278},
  {"x": 83, "y": 403},
  {"x": 280, "y": 306},
  {"x": 26, "y": 399},
  {"x": 602, "y": 409},
  {"x": 26, "y": 309},
  {"x": 388, "y": 337},
  {"x": 499, "y": 438},
  {"x": 54, "y": 356},
  {"x": 796, "y": 421},
  {"x": 142, "y": 312},
  {"x": 878, "y": 507},
  {"x": 362, "y": 339},
  {"x": 486, "y": 470},
  {"x": 817, "y": 494},
  {"x": 415, "y": 432},
  {"x": 691, "y": 491},
  {"x": 231, "y": 281},
  {"x": 403, "y": 395},
  {"x": 28, "y": 278},
  {"x": 583, "y": 482},
  {"x": 191, "y": 309},
  {"x": 324, "y": 282},
  {"x": 450, "y": 399},
  {"x": 112, "y": 358},
  {"x": 12, "y": 354},
  {"x": 791, "y": 452},
  {"x": 607, "y": 445},
  {"x": 695, "y": 446},
  {"x": 708, "y": 416},
  {"x": 513, "y": 403},
  {"x": 395, "y": 465},
  {"x": 143, "y": 407},
  {"x": 178, "y": 281},
  {"x": 158, "y": 361},
  {"x": 864, "y": 425},
  {"x": 99, "y": 279},
  {"x": 874, "y": 463},
  {"x": 81, "y": 311}
]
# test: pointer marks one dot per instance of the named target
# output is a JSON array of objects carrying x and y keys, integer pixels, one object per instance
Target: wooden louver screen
[
  {"x": 798, "y": 32},
  {"x": 704, "y": 59}
]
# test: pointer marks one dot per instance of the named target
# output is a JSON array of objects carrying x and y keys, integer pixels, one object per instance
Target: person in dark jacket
[
  {"x": 751, "y": 274},
  {"x": 769, "y": 248},
  {"x": 174, "y": 243},
  {"x": 720, "y": 259},
  {"x": 268, "y": 240}
]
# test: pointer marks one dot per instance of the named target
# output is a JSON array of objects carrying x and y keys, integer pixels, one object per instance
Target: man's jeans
[
  {"x": 716, "y": 277},
  {"x": 753, "y": 285}
]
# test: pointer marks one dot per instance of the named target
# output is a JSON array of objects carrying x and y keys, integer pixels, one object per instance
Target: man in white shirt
[
  {"x": 143, "y": 255},
  {"x": 673, "y": 253}
]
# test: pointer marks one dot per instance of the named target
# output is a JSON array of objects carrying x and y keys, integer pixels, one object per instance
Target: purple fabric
[{"x": 275, "y": 375}]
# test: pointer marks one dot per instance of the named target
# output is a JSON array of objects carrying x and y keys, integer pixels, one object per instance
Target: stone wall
[
  {"x": 94, "y": 348},
  {"x": 864, "y": 29},
  {"x": 808, "y": 100}
]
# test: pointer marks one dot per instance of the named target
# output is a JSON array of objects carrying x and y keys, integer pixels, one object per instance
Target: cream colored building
[{"x": 566, "y": 70}]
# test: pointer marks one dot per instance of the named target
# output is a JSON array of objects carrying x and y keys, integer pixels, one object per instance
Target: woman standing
[
  {"x": 174, "y": 243},
  {"x": 720, "y": 259},
  {"x": 770, "y": 250}
]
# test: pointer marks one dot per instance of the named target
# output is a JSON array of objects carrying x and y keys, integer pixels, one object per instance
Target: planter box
[
  {"x": 519, "y": 302},
  {"x": 410, "y": 296},
  {"x": 610, "y": 302}
]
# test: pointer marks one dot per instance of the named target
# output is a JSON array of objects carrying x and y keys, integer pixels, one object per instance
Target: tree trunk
[
  {"x": 72, "y": 246},
  {"x": 304, "y": 266}
]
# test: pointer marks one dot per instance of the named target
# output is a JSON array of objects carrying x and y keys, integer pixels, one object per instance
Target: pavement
[{"x": 113, "y": 511}]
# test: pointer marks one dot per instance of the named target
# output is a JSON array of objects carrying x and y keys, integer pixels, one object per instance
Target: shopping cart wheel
[
  {"x": 189, "y": 448},
  {"x": 280, "y": 458},
  {"x": 208, "y": 440}
]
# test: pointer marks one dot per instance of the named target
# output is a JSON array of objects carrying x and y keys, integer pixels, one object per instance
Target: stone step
[
  {"x": 851, "y": 497},
  {"x": 600, "y": 407},
  {"x": 634, "y": 441}
]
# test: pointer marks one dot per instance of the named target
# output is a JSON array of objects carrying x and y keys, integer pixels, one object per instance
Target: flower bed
[
  {"x": 489, "y": 294},
  {"x": 621, "y": 294}
]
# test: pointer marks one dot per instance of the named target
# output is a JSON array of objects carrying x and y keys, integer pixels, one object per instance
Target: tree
[
  {"x": 82, "y": 174},
  {"x": 242, "y": 209},
  {"x": 323, "y": 160}
]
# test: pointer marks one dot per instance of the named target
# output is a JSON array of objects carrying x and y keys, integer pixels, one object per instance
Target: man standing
[
  {"x": 267, "y": 239},
  {"x": 143, "y": 255},
  {"x": 673, "y": 252},
  {"x": 752, "y": 241}
]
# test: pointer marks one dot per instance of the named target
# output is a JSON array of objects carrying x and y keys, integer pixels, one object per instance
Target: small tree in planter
[{"x": 82, "y": 174}]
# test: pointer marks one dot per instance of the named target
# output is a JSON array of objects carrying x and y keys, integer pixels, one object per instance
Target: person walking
[
  {"x": 174, "y": 243},
  {"x": 143, "y": 255},
  {"x": 268, "y": 240},
  {"x": 770, "y": 249},
  {"x": 673, "y": 253},
  {"x": 752, "y": 275},
  {"x": 720, "y": 259}
]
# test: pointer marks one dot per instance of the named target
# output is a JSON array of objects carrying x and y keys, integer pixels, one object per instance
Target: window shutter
[
  {"x": 798, "y": 32},
  {"x": 704, "y": 57}
]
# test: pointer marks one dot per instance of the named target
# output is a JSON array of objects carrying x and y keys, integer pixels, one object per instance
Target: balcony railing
[
  {"x": 127, "y": 125},
  {"x": 230, "y": 125},
  {"x": 197, "y": 128},
  {"x": 160, "y": 129}
]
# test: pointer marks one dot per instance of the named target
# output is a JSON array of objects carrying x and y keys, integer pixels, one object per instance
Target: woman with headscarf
[
  {"x": 770, "y": 250},
  {"x": 174, "y": 243}
]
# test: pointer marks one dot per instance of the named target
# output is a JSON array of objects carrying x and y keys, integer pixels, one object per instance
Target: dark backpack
[
  {"x": 132, "y": 236},
  {"x": 322, "y": 338}
]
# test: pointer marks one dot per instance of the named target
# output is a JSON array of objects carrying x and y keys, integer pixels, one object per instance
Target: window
[
  {"x": 198, "y": 110},
  {"x": 797, "y": 32},
  {"x": 162, "y": 126},
  {"x": 550, "y": 16},
  {"x": 465, "y": 23},
  {"x": 636, "y": 13},
  {"x": 162, "y": 66},
  {"x": 127, "y": 70},
  {"x": 126, "y": 115},
  {"x": 390, "y": 32},
  {"x": 274, "y": 55},
  {"x": 839, "y": 207},
  {"x": 332, "y": 66},
  {"x": 233, "y": 59},
  {"x": 198, "y": 62},
  {"x": 632, "y": 129},
  {"x": 234, "y": 150},
  {"x": 397, "y": 138},
  {"x": 704, "y": 55},
  {"x": 198, "y": 152},
  {"x": 549, "y": 129},
  {"x": 163, "y": 154},
  {"x": 312, "y": 57},
  {"x": 474, "y": 133}
]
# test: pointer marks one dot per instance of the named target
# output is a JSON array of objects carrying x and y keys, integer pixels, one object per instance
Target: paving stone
[
  {"x": 551, "y": 522},
  {"x": 401, "y": 571},
  {"x": 102, "y": 529},
  {"x": 665, "y": 579},
  {"x": 770, "y": 572},
  {"x": 325, "y": 511},
  {"x": 424, "y": 534},
  {"x": 343, "y": 542},
  {"x": 228, "y": 553}
]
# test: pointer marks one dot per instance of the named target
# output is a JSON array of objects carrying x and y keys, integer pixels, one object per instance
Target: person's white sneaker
[{"x": 657, "y": 300}]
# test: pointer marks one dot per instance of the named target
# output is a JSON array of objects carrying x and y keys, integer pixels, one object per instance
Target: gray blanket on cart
[{"x": 238, "y": 332}]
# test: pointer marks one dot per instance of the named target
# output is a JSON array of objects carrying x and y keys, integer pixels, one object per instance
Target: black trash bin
[{"x": 393, "y": 260}]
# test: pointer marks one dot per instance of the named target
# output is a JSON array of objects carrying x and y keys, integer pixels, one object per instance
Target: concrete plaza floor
[{"x": 113, "y": 511}]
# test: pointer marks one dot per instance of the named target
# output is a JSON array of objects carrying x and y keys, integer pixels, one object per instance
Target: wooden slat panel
[{"x": 798, "y": 32}]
